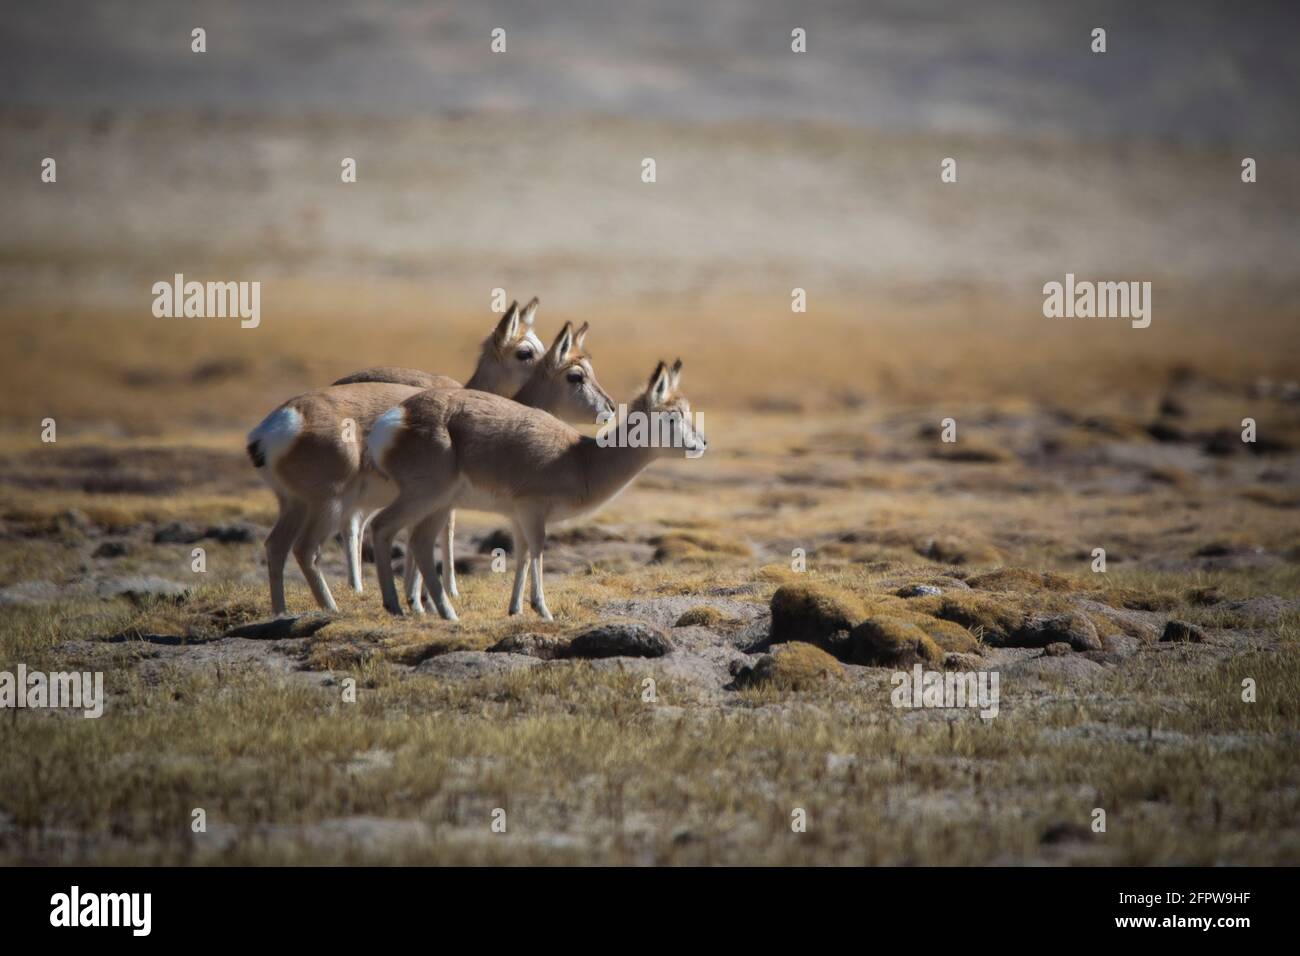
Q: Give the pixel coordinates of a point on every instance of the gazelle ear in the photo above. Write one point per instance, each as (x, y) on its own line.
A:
(508, 328)
(658, 389)
(676, 375)
(559, 350)
(530, 312)
(579, 336)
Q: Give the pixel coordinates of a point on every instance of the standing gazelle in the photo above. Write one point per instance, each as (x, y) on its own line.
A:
(506, 361)
(448, 449)
(309, 451)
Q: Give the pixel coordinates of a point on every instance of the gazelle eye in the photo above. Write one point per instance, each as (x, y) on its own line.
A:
(524, 354)
(575, 375)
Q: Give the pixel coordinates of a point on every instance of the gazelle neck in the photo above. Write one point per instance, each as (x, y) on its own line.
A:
(534, 391)
(486, 377)
(608, 470)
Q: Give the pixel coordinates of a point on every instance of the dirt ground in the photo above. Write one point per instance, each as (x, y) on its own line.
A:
(364, 738)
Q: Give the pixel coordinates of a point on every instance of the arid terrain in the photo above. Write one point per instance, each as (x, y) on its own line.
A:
(1120, 689)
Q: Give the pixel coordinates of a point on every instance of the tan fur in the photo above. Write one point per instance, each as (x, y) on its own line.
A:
(399, 376)
(320, 478)
(447, 449)
(318, 475)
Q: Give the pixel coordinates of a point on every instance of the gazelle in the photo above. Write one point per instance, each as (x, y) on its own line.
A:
(309, 451)
(506, 360)
(449, 449)
(562, 383)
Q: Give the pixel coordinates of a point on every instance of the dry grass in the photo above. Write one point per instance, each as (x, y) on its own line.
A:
(822, 441)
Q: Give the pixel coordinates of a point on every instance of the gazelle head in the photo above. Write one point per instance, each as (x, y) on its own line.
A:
(510, 353)
(564, 381)
(663, 398)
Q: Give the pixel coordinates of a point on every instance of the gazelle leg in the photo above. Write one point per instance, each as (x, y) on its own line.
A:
(521, 571)
(423, 538)
(319, 525)
(412, 580)
(354, 550)
(448, 557)
(405, 510)
(278, 543)
(535, 531)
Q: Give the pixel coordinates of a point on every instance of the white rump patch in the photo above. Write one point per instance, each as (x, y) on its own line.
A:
(276, 433)
(382, 433)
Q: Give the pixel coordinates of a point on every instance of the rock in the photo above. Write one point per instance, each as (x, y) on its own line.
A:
(814, 614)
(1182, 632)
(500, 538)
(472, 665)
(793, 666)
(110, 549)
(177, 532)
(919, 590)
(1065, 832)
(1167, 432)
(235, 532)
(889, 642)
(302, 625)
(1071, 627)
(1172, 406)
(1266, 608)
(542, 646)
(1120, 646)
(1070, 669)
(1059, 649)
(1222, 443)
(619, 639)
(144, 588)
(396, 553)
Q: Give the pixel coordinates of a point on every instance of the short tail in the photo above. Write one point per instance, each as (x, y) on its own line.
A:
(273, 436)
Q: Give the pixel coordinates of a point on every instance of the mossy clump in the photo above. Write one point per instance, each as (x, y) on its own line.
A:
(948, 635)
(814, 613)
(1021, 579)
(702, 615)
(696, 546)
(891, 642)
(795, 667)
(950, 550)
(1133, 599)
(995, 620)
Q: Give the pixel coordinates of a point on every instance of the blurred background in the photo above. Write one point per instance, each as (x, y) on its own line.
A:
(521, 170)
